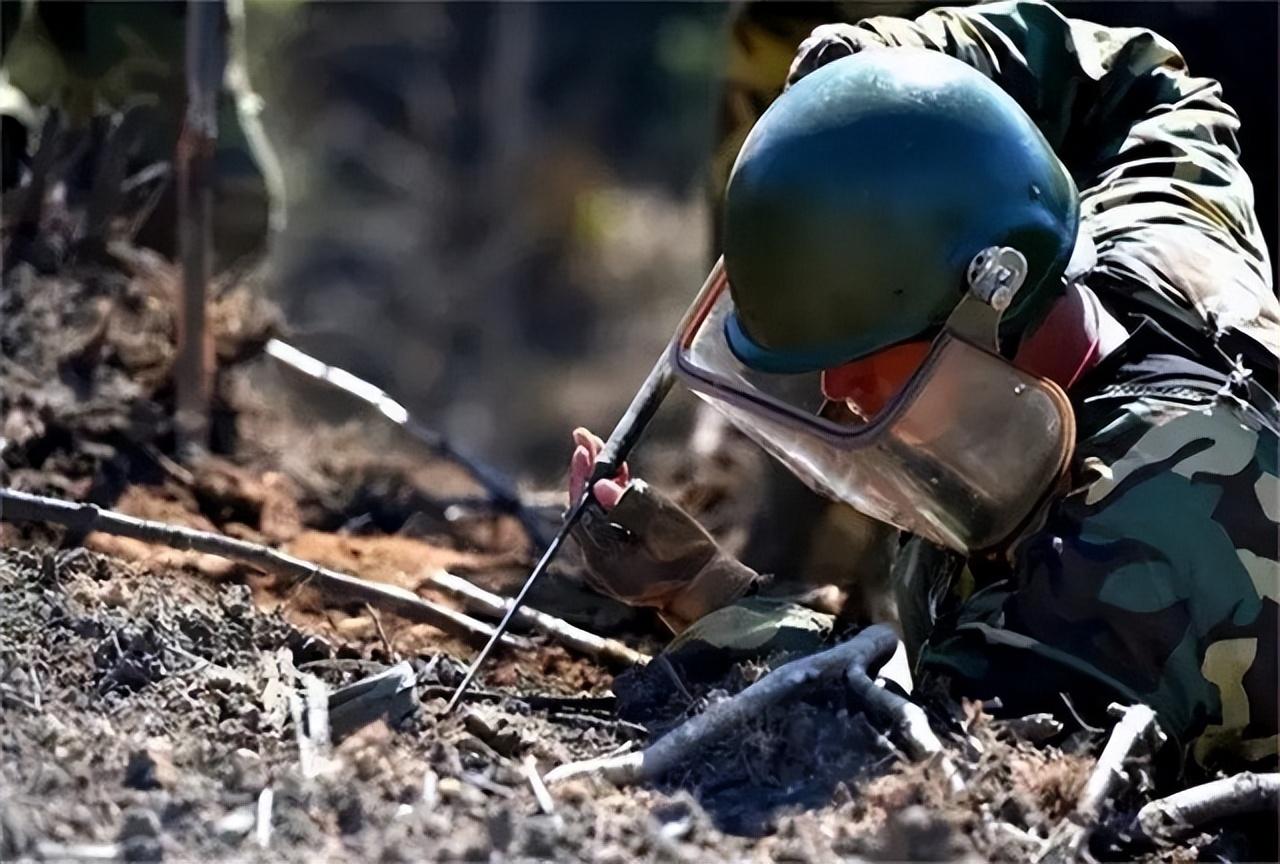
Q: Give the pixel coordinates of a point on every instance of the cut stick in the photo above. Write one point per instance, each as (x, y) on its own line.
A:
(23, 507)
(869, 649)
(563, 632)
(540, 793)
(1183, 813)
(1136, 734)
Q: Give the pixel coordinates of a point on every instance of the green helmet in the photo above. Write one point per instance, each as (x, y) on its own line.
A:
(863, 194)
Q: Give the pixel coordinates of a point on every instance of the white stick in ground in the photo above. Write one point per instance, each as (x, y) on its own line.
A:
(265, 800)
(563, 632)
(1136, 734)
(1184, 812)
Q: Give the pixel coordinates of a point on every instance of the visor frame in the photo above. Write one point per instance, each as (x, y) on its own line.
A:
(837, 434)
(973, 326)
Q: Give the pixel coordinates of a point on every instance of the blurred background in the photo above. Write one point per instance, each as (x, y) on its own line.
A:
(498, 211)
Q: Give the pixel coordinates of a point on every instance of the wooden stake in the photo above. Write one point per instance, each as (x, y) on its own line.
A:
(192, 371)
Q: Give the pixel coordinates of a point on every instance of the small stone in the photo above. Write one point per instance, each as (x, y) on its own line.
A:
(139, 822)
(501, 829)
(245, 772)
(454, 790)
(540, 839)
(493, 729)
(233, 827)
(142, 849)
(139, 836)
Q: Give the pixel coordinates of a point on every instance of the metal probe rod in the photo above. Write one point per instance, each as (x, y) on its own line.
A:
(624, 438)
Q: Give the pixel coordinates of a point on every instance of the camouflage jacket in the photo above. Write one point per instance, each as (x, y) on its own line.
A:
(1154, 575)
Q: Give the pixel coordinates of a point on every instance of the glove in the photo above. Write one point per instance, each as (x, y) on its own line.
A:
(647, 551)
(827, 43)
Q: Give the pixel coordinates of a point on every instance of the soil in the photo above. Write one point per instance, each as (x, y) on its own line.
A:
(154, 704)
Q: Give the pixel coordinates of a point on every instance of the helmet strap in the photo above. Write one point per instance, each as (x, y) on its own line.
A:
(995, 275)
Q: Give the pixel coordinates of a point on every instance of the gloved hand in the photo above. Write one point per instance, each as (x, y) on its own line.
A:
(826, 43)
(641, 548)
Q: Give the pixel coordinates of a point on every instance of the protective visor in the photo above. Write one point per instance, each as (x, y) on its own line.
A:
(960, 455)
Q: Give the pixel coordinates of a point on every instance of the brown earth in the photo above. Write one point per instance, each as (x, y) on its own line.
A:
(144, 692)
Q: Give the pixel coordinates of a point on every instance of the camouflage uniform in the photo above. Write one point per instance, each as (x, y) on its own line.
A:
(1153, 575)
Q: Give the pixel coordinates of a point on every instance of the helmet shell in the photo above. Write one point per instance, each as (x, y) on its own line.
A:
(862, 194)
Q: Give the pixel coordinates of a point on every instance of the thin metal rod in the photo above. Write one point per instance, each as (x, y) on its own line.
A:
(543, 563)
(643, 406)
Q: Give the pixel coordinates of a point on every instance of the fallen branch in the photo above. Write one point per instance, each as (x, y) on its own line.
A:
(23, 507)
(1182, 813)
(561, 631)
(908, 722)
(501, 491)
(604, 705)
(869, 649)
(1135, 735)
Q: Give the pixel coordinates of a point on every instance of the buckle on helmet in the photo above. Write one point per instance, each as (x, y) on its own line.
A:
(995, 275)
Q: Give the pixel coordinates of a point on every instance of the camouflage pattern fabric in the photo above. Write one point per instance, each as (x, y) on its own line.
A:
(647, 551)
(1156, 575)
(1153, 579)
(756, 627)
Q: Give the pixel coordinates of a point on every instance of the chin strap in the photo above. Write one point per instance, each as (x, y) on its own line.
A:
(1073, 338)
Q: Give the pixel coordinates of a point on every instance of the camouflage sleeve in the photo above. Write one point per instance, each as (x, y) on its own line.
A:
(1155, 580)
(1152, 148)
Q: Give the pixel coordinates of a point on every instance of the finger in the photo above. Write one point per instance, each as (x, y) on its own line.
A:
(586, 438)
(607, 493)
(579, 471)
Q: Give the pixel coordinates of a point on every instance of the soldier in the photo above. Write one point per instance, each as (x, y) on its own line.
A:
(993, 276)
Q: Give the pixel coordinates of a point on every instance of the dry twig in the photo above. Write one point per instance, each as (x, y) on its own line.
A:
(1136, 734)
(23, 507)
(540, 793)
(561, 631)
(1184, 812)
(870, 648)
(501, 491)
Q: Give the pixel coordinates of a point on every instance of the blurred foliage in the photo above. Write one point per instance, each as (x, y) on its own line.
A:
(499, 210)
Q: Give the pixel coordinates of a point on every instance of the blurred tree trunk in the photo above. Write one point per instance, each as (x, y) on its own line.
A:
(193, 367)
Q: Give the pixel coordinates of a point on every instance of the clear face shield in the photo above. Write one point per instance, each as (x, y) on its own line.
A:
(960, 454)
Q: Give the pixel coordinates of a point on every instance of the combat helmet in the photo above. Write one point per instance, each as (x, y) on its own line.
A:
(861, 197)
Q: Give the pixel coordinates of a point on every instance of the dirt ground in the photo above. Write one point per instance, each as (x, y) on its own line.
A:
(154, 704)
